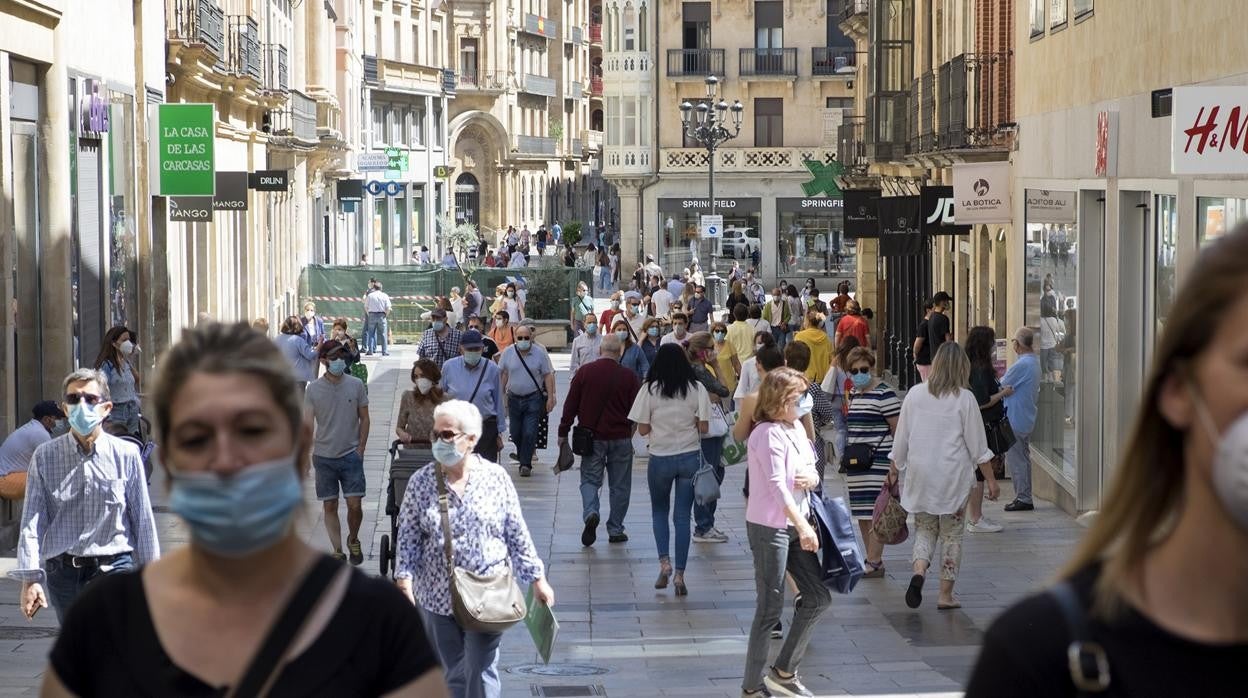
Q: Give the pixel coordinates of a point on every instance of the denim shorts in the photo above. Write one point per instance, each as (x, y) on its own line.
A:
(347, 470)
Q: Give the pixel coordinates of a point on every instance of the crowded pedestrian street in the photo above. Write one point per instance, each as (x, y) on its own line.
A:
(621, 637)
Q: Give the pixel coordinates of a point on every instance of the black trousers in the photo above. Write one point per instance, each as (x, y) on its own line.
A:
(487, 445)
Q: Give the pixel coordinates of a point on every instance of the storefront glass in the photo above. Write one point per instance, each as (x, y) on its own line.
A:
(811, 240)
(1215, 216)
(1166, 227)
(680, 244)
(1051, 305)
(123, 272)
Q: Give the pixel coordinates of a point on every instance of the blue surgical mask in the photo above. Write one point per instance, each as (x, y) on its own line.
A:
(804, 405)
(241, 514)
(591, 329)
(523, 344)
(472, 358)
(446, 453)
(84, 418)
(622, 334)
(653, 332)
(338, 367)
(861, 380)
(719, 336)
(438, 325)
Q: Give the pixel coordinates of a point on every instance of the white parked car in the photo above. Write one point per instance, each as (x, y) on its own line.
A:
(738, 243)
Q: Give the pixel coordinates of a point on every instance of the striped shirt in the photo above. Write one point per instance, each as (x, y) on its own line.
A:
(85, 504)
(867, 423)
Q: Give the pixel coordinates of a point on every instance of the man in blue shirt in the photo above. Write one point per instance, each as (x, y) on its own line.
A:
(700, 309)
(529, 383)
(470, 377)
(1022, 381)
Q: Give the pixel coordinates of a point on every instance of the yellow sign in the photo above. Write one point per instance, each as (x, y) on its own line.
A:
(441, 171)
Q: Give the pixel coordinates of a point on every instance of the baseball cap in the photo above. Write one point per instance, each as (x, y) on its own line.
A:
(941, 297)
(47, 408)
(472, 339)
(632, 296)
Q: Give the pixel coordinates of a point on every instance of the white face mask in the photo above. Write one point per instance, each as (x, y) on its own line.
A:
(127, 347)
(424, 385)
(1230, 463)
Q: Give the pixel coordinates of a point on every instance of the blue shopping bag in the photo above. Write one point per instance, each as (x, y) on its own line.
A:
(838, 548)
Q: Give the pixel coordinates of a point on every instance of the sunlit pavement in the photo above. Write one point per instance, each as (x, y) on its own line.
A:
(621, 637)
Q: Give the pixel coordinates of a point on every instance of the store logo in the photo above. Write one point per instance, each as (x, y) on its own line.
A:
(1234, 131)
(943, 213)
(981, 187)
(824, 178)
(901, 222)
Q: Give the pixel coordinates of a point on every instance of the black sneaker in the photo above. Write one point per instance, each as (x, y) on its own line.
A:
(785, 687)
(590, 533)
(1019, 506)
(620, 537)
(526, 470)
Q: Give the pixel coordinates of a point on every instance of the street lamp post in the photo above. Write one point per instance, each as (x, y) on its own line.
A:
(707, 123)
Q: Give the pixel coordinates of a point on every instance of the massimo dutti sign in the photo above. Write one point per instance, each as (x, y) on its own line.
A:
(862, 219)
(981, 193)
(901, 232)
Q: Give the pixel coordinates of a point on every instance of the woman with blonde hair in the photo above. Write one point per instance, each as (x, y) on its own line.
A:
(1153, 599)
(940, 441)
(782, 466)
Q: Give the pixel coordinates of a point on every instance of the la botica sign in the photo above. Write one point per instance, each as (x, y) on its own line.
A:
(1210, 132)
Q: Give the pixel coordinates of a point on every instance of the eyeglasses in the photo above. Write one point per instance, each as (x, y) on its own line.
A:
(75, 398)
(447, 434)
(857, 371)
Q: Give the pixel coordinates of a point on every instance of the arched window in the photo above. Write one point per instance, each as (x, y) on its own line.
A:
(641, 28)
(630, 27)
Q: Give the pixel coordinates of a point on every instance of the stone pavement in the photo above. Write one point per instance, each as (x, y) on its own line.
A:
(621, 637)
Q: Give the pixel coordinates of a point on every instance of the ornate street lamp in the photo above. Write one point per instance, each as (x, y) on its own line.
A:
(708, 124)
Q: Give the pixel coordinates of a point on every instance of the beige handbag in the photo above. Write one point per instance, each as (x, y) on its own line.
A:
(480, 603)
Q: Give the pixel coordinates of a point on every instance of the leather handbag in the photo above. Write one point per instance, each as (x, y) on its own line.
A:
(480, 603)
(888, 519)
(705, 484)
(859, 457)
(1000, 436)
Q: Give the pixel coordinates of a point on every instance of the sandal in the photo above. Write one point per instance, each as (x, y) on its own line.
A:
(873, 570)
(665, 571)
(948, 606)
(914, 593)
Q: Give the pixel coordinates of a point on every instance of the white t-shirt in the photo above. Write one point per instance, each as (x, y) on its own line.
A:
(673, 421)
(750, 380)
(662, 300)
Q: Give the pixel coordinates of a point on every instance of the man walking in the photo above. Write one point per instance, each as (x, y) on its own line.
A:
(606, 415)
(338, 404)
(472, 379)
(19, 446)
(777, 314)
(1022, 380)
(87, 512)
(377, 312)
(529, 383)
(938, 331)
(587, 345)
(473, 301)
(700, 309)
(440, 342)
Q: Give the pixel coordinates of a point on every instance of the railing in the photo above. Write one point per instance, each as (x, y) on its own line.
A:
(535, 145)
(768, 61)
(887, 117)
(927, 105)
(695, 62)
(629, 62)
(851, 140)
(199, 22)
(595, 33)
(243, 51)
(370, 69)
(328, 119)
(743, 159)
(855, 7)
(538, 85)
(484, 81)
(303, 116)
(831, 61)
(276, 68)
(592, 140)
(595, 86)
(626, 159)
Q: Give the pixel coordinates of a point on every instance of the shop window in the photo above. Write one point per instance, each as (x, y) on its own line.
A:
(1052, 261)
(1082, 7)
(812, 240)
(1166, 230)
(680, 243)
(768, 122)
(1037, 17)
(1215, 216)
(379, 125)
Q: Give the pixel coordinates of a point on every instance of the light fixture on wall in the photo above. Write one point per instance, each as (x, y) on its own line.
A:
(1000, 234)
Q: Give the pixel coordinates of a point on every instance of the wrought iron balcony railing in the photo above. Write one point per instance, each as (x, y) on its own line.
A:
(695, 62)
(833, 61)
(768, 61)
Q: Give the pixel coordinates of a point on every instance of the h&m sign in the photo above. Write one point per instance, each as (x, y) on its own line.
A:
(1210, 133)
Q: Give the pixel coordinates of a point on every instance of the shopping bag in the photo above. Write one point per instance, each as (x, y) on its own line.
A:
(839, 553)
(565, 459)
(734, 451)
(888, 518)
(705, 486)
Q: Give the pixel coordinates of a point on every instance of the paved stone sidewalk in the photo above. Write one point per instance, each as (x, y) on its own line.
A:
(621, 637)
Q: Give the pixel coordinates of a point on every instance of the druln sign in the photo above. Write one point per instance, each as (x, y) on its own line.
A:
(185, 150)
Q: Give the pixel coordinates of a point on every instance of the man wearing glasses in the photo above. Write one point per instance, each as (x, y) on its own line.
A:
(87, 512)
(528, 381)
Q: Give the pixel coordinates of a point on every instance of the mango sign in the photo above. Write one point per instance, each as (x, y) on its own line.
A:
(186, 165)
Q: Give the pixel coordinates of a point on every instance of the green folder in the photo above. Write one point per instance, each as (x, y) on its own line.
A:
(543, 626)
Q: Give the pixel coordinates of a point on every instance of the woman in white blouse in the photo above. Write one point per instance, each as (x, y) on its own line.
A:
(940, 441)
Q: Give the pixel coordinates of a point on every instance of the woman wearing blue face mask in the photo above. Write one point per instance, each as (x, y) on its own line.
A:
(871, 420)
(633, 358)
(489, 536)
(218, 614)
(301, 356)
(651, 335)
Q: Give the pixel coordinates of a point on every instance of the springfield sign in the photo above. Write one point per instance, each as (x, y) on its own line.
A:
(185, 150)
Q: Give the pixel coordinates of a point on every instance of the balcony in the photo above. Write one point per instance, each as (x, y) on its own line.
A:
(595, 34)
(630, 65)
(851, 144)
(743, 160)
(539, 85)
(592, 140)
(967, 103)
(537, 25)
(296, 124)
(855, 7)
(886, 128)
(535, 145)
(768, 62)
(370, 69)
(198, 22)
(626, 160)
(833, 62)
(695, 62)
(242, 53)
(407, 76)
(483, 81)
(595, 86)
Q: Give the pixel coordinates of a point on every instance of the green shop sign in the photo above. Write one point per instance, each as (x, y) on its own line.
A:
(186, 150)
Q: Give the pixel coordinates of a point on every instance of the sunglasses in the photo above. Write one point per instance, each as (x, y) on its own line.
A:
(856, 371)
(447, 434)
(75, 398)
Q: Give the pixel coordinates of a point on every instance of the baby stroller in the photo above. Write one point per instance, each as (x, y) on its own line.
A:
(404, 461)
(142, 440)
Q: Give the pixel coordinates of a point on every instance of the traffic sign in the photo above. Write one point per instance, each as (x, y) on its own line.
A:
(712, 226)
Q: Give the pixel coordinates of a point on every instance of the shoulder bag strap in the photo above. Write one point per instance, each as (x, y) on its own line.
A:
(448, 547)
(479, 379)
(1086, 659)
(540, 387)
(268, 661)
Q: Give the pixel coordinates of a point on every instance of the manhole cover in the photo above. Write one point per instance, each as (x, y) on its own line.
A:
(562, 670)
(18, 632)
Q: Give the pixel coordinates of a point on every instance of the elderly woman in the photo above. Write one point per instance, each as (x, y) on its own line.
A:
(301, 356)
(782, 466)
(415, 422)
(871, 421)
(651, 337)
(489, 534)
(940, 440)
(196, 622)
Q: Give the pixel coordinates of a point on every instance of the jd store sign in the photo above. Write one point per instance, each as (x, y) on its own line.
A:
(938, 216)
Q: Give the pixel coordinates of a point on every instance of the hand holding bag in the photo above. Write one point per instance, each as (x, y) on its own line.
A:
(480, 603)
(1000, 435)
(888, 519)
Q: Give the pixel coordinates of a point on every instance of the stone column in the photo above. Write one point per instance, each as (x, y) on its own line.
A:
(630, 223)
(56, 206)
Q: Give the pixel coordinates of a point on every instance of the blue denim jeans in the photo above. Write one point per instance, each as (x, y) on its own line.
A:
(664, 474)
(524, 413)
(616, 458)
(126, 414)
(376, 329)
(704, 515)
(469, 659)
(66, 582)
(1018, 460)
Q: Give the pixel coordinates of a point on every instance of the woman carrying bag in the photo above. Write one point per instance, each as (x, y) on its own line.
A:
(701, 353)
(980, 345)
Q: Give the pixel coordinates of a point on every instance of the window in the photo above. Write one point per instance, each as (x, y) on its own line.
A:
(415, 41)
(845, 104)
(1037, 18)
(411, 128)
(397, 50)
(812, 241)
(1215, 216)
(394, 124)
(630, 27)
(437, 125)
(379, 124)
(1057, 13)
(1082, 7)
(468, 61)
(613, 121)
(1167, 228)
(377, 37)
(768, 122)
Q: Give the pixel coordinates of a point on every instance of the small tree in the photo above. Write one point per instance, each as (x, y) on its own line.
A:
(572, 233)
(548, 296)
(461, 239)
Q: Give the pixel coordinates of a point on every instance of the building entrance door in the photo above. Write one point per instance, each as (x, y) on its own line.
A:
(467, 200)
(907, 287)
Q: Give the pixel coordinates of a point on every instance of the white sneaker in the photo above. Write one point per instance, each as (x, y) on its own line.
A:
(984, 525)
(711, 536)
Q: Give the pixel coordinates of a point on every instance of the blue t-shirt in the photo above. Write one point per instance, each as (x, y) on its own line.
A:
(1024, 377)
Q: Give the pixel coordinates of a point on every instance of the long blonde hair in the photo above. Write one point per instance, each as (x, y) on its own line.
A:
(1143, 501)
(951, 371)
(778, 386)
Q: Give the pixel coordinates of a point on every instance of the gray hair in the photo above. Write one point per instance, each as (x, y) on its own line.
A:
(86, 375)
(611, 346)
(464, 413)
(1026, 337)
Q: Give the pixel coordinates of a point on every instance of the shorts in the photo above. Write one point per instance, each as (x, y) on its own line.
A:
(347, 470)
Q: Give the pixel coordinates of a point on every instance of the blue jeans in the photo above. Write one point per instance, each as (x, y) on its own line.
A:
(778, 334)
(66, 582)
(469, 659)
(376, 328)
(1018, 459)
(524, 413)
(616, 458)
(704, 515)
(664, 474)
(604, 278)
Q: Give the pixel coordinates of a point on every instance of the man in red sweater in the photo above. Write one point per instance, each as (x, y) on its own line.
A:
(599, 399)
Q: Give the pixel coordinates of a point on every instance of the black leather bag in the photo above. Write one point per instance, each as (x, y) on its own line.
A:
(583, 436)
(858, 458)
(1000, 436)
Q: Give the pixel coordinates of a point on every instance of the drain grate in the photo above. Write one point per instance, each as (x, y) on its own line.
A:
(18, 632)
(568, 691)
(559, 670)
